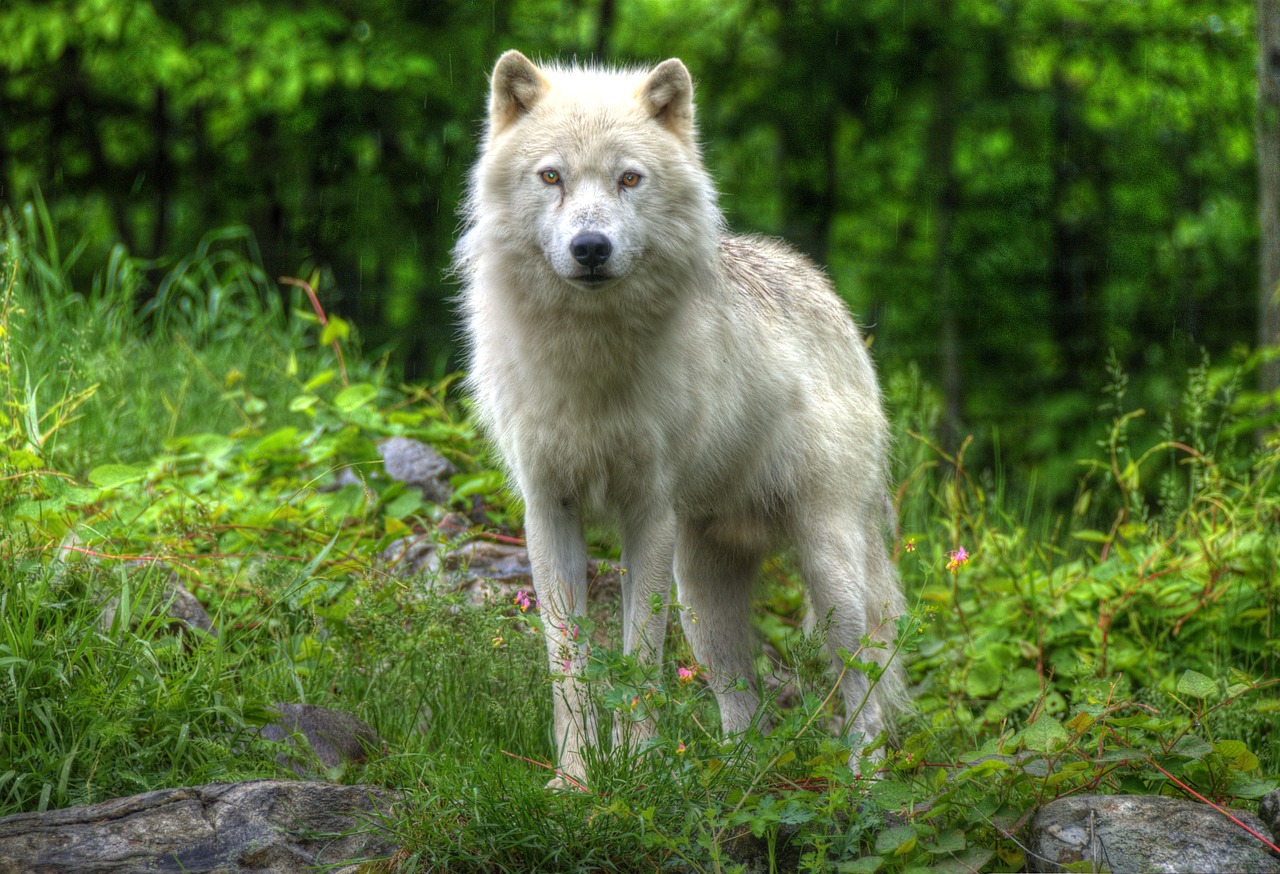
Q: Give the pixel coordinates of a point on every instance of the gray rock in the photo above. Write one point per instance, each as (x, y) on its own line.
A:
(1269, 812)
(417, 464)
(483, 560)
(412, 556)
(276, 825)
(334, 736)
(177, 603)
(1140, 833)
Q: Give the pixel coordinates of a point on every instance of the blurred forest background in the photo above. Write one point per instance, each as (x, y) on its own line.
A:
(1004, 190)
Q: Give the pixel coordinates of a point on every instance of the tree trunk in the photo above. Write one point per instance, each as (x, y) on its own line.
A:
(941, 181)
(1269, 186)
(604, 28)
(163, 172)
(1073, 274)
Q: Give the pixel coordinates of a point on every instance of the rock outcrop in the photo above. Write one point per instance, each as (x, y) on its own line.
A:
(264, 825)
(1146, 833)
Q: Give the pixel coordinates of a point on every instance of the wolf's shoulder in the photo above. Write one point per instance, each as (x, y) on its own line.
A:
(766, 272)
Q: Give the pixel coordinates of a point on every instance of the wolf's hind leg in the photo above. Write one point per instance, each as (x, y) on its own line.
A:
(833, 560)
(714, 581)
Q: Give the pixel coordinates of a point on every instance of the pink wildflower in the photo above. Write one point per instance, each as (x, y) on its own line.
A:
(958, 559)
(522, 600)
(687, 674)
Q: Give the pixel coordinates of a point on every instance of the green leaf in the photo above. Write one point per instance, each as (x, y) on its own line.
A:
(23, 459)
(112, 476)
(355, 396)
(950, 841)
(281, 440)
(324, 377)
(404, 504)
(891, 796)
(1191, 747)
(864, 865)
(896, 841)
(1243, 786)
(211, 447)
(795, 813)
(1196, 685)
(1046, 734)
(972, 859)
(1235, 752)
(336, 329)
(479, 484)
(983, 680)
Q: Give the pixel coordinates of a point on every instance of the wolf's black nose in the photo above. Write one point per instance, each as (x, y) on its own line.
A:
(591, 249)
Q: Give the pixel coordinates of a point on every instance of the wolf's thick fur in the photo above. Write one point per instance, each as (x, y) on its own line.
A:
(710, 391)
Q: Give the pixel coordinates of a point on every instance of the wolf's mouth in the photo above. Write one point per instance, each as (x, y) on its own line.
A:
(593, 278)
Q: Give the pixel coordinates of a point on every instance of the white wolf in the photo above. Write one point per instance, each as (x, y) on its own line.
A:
(709, 391)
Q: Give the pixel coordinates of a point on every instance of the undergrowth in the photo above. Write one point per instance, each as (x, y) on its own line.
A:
(204, 427)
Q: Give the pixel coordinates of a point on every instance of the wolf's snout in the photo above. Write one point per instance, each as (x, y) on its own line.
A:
(591, 249)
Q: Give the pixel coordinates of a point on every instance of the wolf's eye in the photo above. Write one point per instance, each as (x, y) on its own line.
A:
(630, 179)
(551, 177)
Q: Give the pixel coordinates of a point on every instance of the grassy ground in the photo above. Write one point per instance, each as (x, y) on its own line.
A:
(1127, 645)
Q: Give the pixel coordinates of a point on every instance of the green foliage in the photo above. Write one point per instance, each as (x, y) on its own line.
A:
(1127, 645)
(1003, 191)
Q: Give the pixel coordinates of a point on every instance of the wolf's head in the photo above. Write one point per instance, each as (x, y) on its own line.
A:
(594, 173)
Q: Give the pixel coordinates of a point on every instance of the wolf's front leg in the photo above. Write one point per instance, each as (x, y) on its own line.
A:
(649, 537)
(558, 554)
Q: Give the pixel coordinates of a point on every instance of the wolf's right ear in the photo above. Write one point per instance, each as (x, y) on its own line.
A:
(516, 87)
(668, 96)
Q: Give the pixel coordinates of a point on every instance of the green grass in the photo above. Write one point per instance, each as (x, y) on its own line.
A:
(1128, 645)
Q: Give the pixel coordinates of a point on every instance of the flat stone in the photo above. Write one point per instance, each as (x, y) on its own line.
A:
(415, 463)
(276, 825)
(1145, 833)
(335, 737)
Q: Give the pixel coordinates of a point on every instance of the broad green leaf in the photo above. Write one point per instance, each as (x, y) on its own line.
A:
(968, 861)
(897, 841)
(23, 459)
(1191, 747)
(277, 442)
(1196, 685)
(336, 329)
(1046, 734)
(983, 680)
(112, 476)
(890, 795)
(404, 504)
(1244, 786)
(355, 396)
(950, 841)
(864, 865)
(1235, 752)
(324, 377)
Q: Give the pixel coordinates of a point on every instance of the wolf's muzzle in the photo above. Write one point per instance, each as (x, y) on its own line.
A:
(590, 249)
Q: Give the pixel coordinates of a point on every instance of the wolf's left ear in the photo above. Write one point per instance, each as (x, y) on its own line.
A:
(517, 86)
(668, 96)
